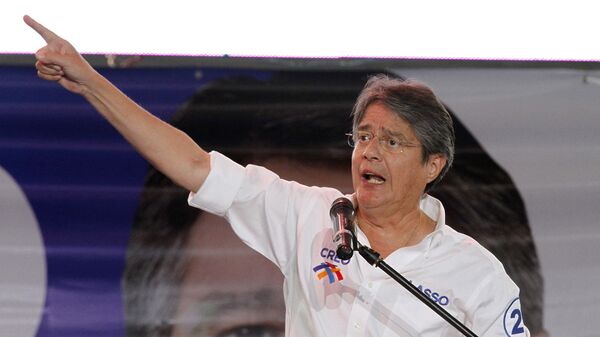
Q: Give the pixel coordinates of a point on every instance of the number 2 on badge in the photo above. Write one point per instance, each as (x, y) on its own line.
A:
(513, 319)
(517, 328)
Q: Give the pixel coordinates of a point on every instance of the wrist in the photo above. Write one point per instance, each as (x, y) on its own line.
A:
(92, 86)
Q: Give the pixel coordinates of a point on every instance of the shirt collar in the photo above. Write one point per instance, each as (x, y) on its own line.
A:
(434, 209)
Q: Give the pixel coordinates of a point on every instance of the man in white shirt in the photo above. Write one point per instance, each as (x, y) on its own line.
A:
(289, 224)
(403, 145)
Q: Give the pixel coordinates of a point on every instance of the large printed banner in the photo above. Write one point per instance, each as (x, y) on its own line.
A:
(94, 242)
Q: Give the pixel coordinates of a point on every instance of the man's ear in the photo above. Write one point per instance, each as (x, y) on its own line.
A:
(435, 164)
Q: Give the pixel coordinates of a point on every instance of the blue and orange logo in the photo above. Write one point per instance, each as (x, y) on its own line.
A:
(330, 270)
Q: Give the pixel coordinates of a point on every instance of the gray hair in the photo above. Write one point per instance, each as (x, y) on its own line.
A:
(415, 103)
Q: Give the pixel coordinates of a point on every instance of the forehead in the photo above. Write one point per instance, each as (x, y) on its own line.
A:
(378, 116)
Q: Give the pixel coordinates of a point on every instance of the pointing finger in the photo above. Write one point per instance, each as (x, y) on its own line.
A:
(44, 32)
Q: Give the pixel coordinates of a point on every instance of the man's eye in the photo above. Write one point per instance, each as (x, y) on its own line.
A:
(364, 137)
(253, 331)
(393, 142)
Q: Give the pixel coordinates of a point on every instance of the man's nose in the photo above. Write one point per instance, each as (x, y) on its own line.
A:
(372, 150)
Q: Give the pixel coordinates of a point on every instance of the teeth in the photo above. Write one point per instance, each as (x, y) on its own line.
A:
(374, 179)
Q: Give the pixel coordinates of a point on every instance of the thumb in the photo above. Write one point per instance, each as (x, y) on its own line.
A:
(46, 56)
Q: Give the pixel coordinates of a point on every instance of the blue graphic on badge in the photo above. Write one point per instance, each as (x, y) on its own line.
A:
(513, 319)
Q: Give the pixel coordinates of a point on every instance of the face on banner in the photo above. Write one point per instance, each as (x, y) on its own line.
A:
(82, 195)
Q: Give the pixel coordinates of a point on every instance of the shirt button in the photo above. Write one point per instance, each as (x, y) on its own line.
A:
(356, 325)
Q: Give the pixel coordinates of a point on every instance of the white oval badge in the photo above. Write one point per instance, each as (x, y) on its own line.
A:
(513, 319)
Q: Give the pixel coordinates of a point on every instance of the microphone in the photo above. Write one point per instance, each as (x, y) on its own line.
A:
(342, 216)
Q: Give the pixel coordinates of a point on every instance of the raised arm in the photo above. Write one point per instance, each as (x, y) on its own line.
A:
(168, 149)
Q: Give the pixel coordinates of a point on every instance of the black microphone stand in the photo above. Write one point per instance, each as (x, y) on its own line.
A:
(373, 259)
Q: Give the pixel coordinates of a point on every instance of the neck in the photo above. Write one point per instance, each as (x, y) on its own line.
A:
(388, 233)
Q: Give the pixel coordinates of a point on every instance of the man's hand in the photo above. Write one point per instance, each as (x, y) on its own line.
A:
(169, 150)
(59, 61)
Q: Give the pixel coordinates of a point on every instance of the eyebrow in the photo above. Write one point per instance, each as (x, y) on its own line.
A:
(224, 303)
(386, 131)
(222, 311)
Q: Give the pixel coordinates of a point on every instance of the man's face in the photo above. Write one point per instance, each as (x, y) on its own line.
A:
(383, 180)
(230, 290)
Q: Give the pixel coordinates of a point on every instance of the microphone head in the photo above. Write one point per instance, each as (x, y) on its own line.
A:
(342, 205)
(342, 216)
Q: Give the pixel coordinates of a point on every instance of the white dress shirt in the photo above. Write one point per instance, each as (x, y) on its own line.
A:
(289, 224)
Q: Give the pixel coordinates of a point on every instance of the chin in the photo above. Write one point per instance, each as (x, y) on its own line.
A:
(368, 199)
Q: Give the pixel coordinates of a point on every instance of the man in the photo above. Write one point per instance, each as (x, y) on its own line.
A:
(404, 142)
(289, 123)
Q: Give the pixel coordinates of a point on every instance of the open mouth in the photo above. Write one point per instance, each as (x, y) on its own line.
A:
(372, 178)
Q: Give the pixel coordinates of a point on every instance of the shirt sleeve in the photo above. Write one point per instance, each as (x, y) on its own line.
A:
(263, 209)
(496, 308)
(220, 187)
